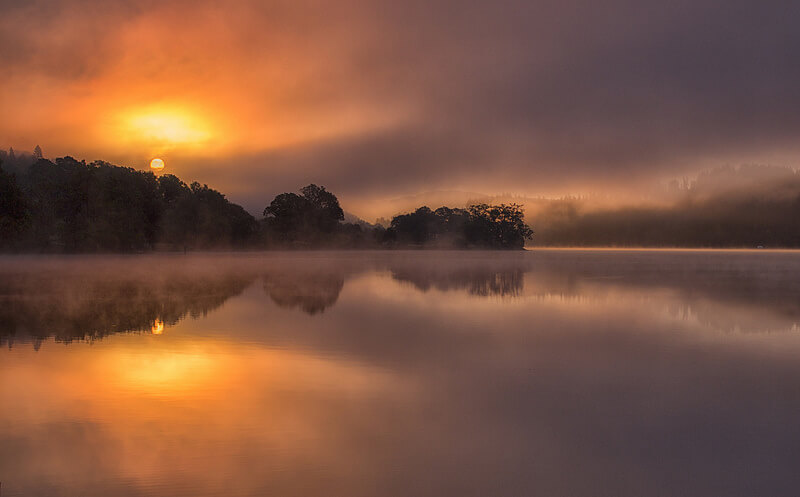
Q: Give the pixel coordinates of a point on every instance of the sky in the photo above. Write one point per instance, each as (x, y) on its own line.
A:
(382, 99)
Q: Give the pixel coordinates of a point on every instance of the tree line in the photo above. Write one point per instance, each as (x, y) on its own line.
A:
(755, 222)
(68, 205)
(71, 206)
(314, 217)
(747, 206)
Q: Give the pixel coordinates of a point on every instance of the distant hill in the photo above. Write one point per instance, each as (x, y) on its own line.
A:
(746, 206)
(433, 199)
(351, 218)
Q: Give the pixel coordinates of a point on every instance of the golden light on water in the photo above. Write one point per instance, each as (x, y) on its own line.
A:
(168, 372)
(158, 325)
(156, 164)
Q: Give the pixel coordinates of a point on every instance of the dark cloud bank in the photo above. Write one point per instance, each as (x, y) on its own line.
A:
(544, 96)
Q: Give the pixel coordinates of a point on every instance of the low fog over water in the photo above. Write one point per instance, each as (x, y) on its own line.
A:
(548, 372)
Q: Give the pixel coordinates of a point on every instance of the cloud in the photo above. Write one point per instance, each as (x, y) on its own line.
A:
(380, 97)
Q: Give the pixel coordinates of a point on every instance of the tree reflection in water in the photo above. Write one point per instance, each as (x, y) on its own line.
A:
(82, 306)
(88, 298)
(310, 292)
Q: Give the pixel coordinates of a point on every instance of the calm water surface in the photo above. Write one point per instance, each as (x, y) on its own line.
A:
(544, 373)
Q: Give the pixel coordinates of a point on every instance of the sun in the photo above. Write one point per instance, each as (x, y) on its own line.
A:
(156, 164)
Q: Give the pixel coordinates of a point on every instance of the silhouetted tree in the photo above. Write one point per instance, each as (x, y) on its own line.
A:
(287, 213)
(312, 216)
(325, 211)
(13, 209)
(37, 152)
(74, 206)
(481, 225)
(497, 226)
(417, 227)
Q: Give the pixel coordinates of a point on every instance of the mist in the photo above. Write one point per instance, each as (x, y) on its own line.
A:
(749, 206)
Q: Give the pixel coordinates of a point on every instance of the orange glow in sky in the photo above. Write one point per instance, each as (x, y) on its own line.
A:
(211, 91)
(377, 101)
(166, 127)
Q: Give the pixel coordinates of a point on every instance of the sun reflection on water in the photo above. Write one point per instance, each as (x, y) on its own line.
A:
(158, 327)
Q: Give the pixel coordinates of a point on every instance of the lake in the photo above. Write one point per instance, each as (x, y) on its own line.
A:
(538, 373)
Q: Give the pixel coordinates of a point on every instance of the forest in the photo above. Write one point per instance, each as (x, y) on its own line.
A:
(72, 206)
(748, 206)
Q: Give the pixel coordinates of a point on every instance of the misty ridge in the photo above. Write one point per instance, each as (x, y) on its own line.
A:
(71, 206)
(747, 206)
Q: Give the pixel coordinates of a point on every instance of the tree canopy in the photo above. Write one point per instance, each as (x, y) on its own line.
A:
(71, 206)
(309, 216)
(480, 225)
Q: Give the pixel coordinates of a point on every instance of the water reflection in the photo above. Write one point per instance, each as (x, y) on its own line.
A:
(75, 300)
(426, 374)
(84, 299)
(158, 327)
(310, 292)
(79, 302)
(483, 283)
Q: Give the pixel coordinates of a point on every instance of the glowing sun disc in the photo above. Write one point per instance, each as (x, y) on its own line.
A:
(156, 164)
